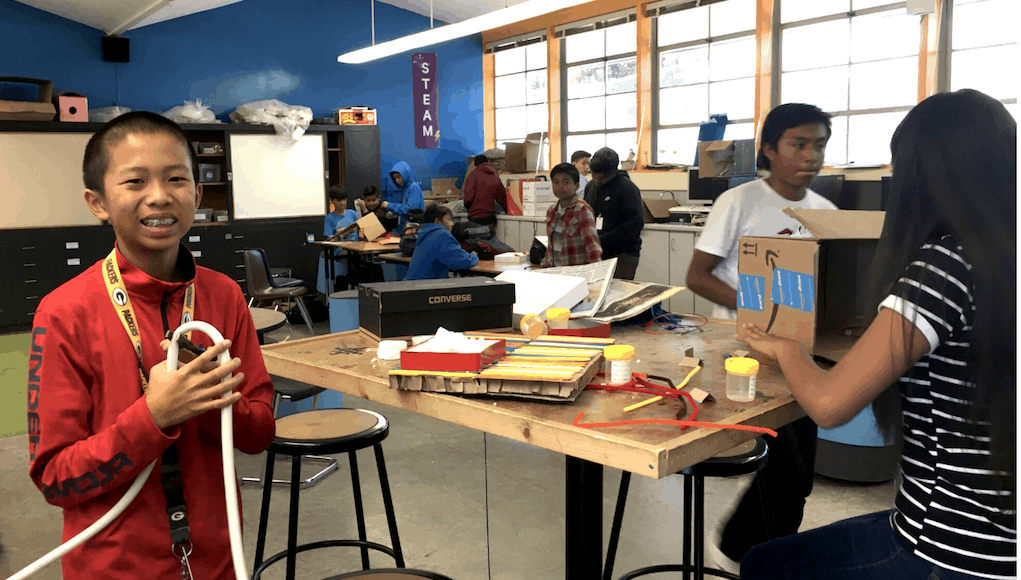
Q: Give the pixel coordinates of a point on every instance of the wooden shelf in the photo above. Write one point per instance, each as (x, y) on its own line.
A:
(209, 155)
(333, 149)
(212, 183)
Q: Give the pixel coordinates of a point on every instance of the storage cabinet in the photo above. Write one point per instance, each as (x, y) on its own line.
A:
(682, 247)
(654, 261)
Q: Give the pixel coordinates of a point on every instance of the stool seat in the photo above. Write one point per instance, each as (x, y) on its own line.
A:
(328, 431)
(746, 458)
(391, 574)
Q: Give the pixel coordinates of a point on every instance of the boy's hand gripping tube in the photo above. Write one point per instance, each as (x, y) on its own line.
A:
(229, 481)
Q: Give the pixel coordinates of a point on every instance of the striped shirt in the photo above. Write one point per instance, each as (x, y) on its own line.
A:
(949, 508)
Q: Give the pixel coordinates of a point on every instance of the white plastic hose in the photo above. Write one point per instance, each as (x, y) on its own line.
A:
(229, 481)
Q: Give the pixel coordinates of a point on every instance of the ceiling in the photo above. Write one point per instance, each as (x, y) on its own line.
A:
(118, 16)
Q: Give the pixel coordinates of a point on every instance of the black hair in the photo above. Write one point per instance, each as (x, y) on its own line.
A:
(604, 160)
(370, 191)
(97, 151)
(338, 193)
(480, 159)
(567, 168)
(788, 116)
(955, 172)
(579, 155)
(435, 212)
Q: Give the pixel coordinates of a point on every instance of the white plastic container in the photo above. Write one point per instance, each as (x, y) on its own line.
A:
(618, 360)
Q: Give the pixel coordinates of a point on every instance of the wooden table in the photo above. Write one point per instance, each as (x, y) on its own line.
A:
(266, 320)
(484, 267)
(361, 250)
(649, 450)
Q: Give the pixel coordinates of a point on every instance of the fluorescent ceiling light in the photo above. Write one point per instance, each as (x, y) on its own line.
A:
(495, 19)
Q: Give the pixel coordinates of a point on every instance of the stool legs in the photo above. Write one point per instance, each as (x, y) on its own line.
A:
(359, 509)
(689, 497)
(292, 520)
(260, 542)
(388, 504)
(618, 521)
(699, 523)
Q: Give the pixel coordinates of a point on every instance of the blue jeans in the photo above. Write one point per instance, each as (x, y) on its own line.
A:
(862, 548)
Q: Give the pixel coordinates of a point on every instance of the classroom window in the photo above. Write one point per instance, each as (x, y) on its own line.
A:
(520, 90)
(984, 49)
(705, 64)
(857, 60)
(600, 81)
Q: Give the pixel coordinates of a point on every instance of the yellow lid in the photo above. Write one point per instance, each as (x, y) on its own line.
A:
(742, 365)
(532, 325)
(619, 352)
(558, 314)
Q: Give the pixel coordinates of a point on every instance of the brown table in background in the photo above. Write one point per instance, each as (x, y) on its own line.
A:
(649, 450)
(484, 267)
(266, 320)
(360, 250)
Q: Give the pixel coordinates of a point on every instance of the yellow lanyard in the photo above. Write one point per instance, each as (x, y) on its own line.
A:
(122, 304)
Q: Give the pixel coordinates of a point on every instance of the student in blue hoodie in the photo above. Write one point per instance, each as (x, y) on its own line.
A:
(436, 250)
(339, 218)
(401, 194)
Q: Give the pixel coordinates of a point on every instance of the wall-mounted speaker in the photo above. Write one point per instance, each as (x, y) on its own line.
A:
(115, 49)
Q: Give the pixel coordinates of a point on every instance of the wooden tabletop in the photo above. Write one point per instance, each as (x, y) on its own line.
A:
(266, 319)
(650, 450)
(486, 267)
(360, 246)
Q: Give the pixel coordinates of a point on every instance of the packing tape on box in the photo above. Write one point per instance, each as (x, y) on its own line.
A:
(390, 349)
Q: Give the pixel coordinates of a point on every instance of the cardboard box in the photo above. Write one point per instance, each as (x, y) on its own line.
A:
(356, 116)
(537, 191)
(657, 210)
(371, 227)
(423, 357)
(445, 187)
(726, 158)
(398, 309)
(39, 110)
(471, 167)
(816, 291)
(72, 108)
(515, 160)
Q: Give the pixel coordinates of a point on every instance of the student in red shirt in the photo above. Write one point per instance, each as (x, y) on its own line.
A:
(102, 404)
(482, 188)
(570, 223)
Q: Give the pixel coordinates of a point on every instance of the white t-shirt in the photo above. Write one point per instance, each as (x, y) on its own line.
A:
(582, 182)
(750, 209)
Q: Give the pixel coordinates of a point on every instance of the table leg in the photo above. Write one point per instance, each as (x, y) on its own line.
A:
(584, 526)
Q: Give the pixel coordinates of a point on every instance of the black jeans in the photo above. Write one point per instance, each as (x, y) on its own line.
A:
(788, 476)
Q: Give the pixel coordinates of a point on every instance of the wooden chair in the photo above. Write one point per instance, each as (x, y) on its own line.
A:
(262, 286)
(746, 458)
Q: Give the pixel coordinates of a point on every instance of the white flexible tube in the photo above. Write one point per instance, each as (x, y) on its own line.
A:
(229, 478)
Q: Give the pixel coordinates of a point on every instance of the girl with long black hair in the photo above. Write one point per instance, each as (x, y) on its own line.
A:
(938, 362)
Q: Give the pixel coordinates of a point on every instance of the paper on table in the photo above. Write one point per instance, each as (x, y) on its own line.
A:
(628, 299)
(597, 275)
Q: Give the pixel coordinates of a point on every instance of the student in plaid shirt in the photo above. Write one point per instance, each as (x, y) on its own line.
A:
(570, 223)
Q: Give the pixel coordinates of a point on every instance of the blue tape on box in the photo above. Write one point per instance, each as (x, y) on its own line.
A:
(793, 289)
(751, 292)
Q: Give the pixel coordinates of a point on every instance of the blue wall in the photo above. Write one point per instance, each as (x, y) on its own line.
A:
(266, 49)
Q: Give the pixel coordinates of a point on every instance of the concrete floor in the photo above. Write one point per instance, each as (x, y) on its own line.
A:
(439, 475)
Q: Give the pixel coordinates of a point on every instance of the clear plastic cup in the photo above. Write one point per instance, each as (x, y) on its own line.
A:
(741, 374)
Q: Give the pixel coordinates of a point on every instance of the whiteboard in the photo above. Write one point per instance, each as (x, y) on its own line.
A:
(275, 177)
(41, 180)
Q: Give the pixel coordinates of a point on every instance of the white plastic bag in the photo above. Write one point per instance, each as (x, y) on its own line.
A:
(290, 121)
(191, 112)
(104, 114)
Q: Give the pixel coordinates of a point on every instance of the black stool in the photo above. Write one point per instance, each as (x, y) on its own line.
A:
(749, 457)
(391, 574)
(327, 431)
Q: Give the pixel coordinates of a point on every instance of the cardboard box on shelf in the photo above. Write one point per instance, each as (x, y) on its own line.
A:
(72, 107)
(515, 160)
(356, 116)
(726, 158)
(41, 109)
(657, 210)
(445, 187)
(399, 309)
(537, 191)
(812, 290)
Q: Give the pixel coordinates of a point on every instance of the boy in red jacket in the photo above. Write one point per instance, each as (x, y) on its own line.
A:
(102, 404)
(482, 188)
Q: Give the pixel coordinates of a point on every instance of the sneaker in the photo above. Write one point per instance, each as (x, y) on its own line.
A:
(719, 558)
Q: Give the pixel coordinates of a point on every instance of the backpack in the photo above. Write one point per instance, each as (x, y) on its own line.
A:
(484, 250)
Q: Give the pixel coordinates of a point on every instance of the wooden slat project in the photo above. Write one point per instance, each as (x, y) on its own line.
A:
(557, 371)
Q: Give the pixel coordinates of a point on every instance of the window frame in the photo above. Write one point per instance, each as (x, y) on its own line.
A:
(520, 41)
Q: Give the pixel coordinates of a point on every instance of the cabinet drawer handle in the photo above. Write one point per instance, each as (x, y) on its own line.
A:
(30, 281)
(27, 247)
(29, 265)
(31, 297)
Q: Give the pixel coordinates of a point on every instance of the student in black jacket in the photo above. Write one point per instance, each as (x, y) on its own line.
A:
(617, 203)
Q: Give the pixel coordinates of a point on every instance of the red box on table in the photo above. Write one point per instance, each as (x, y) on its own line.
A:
(419, 358)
